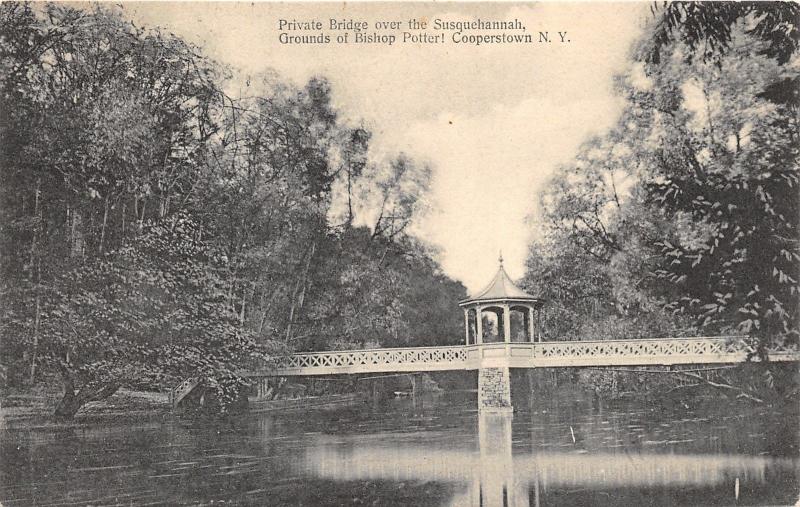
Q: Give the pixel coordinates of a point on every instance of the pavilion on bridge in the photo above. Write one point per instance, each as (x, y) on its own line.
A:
(507, 313)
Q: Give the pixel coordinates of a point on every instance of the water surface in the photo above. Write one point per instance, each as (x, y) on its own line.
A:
(439, 451)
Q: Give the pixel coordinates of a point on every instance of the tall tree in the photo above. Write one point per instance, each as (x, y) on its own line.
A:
(153, 227)
(697, 184)
(104, 125)
(726, 168)
(151, 312)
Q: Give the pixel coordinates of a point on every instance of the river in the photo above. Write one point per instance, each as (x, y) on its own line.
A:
(563, 450)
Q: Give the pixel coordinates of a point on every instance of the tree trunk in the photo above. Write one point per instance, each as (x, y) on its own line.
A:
(71, 401)
(35, 337)
(301, 283)
(68, 406)
(76, 234)
(349, 200)
(103, 227)
(141, 218)
(37, 226)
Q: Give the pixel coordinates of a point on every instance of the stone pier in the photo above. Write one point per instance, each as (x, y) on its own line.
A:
(494, 389)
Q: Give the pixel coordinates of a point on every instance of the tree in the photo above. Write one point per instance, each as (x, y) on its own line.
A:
(726, 169)
(152, 311)
(705, 225)
(353, 159)
(155, 228)
(594, 255)
(713, 23)
(372, 291)
(104, 127)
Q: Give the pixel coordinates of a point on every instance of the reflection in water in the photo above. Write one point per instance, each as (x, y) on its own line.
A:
(497, 484)
(399, 453)
(494, 476)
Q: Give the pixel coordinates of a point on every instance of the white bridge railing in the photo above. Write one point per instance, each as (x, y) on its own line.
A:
(664, 351)
(373, 360)
(700, 350)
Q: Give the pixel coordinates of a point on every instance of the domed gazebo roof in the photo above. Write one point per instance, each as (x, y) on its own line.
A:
(501, 289)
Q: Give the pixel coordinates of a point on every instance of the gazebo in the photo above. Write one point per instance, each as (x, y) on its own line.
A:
(502, 312)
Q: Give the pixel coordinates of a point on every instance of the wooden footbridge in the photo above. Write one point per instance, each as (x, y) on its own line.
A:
(556, 354)
(502, 331)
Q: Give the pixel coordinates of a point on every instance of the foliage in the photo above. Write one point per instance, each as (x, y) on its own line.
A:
(684, 217)
(153, 309)
(390, 294)
(724, 168)
(712, 23)
(154, 228)
(594, 258)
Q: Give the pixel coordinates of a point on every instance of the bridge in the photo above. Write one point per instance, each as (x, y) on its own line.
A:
(555, 354)
(502, 331)
(493, 360)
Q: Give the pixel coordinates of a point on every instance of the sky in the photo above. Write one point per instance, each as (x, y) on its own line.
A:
(493, 121)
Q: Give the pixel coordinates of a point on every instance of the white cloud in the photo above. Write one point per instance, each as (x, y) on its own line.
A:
(494, 121)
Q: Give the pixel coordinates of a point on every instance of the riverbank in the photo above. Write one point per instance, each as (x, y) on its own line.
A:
(330, 400)
(35, 406)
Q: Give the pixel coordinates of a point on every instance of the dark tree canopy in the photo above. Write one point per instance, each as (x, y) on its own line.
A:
(706, 27)
(154, 228)
(684, 217)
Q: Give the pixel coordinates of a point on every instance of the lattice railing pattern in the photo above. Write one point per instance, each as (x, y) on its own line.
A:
(718, 349)
(695, 347)
(629, 348)
(376, 357)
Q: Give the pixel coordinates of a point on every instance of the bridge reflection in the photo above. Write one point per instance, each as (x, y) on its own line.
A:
(493, 475)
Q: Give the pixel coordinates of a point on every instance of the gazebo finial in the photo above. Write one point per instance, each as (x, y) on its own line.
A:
(501, 258)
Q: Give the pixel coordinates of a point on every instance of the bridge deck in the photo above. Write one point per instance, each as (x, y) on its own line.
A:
(665, 351)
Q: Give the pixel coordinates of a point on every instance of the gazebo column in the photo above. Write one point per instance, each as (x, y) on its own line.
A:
(466, 326)
(506, 324)
(478, 324)
(539, 323)
(531, 325)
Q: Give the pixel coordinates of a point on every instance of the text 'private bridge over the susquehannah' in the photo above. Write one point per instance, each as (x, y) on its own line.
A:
(502, 331)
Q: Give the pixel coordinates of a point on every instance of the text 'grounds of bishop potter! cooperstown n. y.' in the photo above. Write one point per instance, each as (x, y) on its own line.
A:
(419, 31)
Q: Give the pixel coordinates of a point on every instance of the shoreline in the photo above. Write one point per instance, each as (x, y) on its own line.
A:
(34, 409)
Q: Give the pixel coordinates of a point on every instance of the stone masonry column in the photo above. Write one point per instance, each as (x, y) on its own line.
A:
(494, 389)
